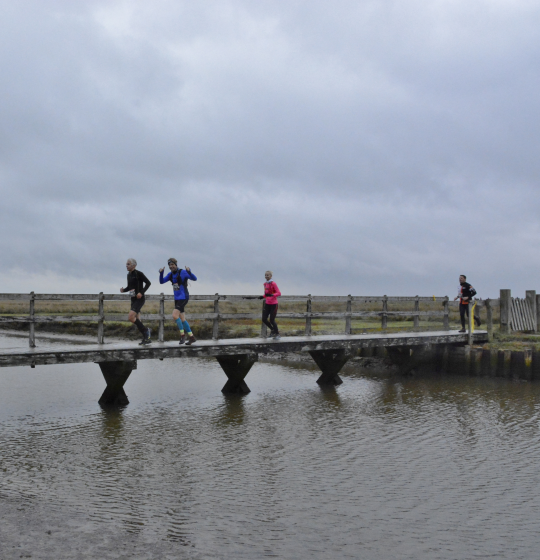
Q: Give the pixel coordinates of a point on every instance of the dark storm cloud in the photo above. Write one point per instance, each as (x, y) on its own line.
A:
(367, 148)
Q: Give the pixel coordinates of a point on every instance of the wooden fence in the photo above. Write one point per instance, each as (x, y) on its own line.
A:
(522, 318)
(515, 314)
(520, 314)
(217, 315)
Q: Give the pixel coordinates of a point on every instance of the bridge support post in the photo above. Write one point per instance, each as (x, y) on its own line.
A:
(330, 363)
(236, 368)
(115, 374)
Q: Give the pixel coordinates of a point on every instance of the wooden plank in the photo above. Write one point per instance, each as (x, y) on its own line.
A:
(514, 321)
(531, 312)
(68, 297)
(129, 351)
(538, 312)
(513, 316)
(530, 296)
(470, 338)
(122, 317)
(506, 311)
(308, 316)
(519, 312)
(530, 323)
(416, 317)
(336, 299)
(161, 328)
(215, 320)
(523, 315)
(521, 319)
(384, 318)
(522, 324)
(15, 297)
(489, 318)
(32, 321)
(101, 314)
(446, 319)
(209, 297)
(348, 315)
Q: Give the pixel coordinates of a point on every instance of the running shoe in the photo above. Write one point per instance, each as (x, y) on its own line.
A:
(146, 339)
(277, 337)
(191, 340)
(462, 330)
(182, 339)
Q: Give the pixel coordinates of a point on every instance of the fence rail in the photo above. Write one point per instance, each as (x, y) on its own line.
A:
(221, 297)
(217, 315)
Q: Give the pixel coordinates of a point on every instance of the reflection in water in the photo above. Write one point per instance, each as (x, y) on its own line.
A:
(396, 467)
(112, 423)
(330, 394)
(232, 411)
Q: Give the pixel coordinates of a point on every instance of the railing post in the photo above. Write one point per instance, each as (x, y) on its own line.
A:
(506, 310)
(215, 322)
(384, 322)
(101, 314)
(471, 319)
(416, 318)
(489, 319)
(446, 319)
(348, 317)
(161, 328)
(537, 312)
(32, 332)
(308, 316)
(530, 296)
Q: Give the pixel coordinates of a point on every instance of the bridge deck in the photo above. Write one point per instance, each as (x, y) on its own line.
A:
(131, 351)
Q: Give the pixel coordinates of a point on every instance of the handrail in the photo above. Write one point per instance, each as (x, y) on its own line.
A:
(221, 297)
(217, 315)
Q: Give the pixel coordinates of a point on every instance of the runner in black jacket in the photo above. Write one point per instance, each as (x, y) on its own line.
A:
(465, 295)
(138, 283)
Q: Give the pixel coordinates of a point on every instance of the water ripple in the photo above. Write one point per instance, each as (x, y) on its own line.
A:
(378, 468)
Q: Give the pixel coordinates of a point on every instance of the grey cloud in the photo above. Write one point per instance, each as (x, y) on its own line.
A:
(359, 147)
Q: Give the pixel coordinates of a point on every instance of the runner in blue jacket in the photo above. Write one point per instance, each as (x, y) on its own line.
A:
(179, 279)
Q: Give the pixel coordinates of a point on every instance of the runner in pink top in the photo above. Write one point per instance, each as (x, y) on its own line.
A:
(270, 306)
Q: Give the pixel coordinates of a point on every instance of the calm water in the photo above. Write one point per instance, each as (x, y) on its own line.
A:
(381, 467)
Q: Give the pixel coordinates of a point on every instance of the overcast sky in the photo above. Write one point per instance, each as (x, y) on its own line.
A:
(362, 147)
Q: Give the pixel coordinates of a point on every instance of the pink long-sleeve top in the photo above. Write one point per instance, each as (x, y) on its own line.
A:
(271, 292)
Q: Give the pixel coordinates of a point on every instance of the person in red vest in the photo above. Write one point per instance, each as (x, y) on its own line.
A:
(270, 306)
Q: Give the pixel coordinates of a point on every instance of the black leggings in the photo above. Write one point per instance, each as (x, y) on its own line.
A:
(463, 308)
(269, 316)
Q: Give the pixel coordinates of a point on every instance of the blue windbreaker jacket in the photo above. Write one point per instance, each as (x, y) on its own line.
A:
(178, 294)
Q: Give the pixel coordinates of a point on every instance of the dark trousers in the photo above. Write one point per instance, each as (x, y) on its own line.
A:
(463, 308)
(269, 316)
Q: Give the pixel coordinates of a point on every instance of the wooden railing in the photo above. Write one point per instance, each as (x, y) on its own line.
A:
(217, 315)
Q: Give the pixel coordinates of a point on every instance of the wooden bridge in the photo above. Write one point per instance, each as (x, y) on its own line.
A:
(236, 356)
